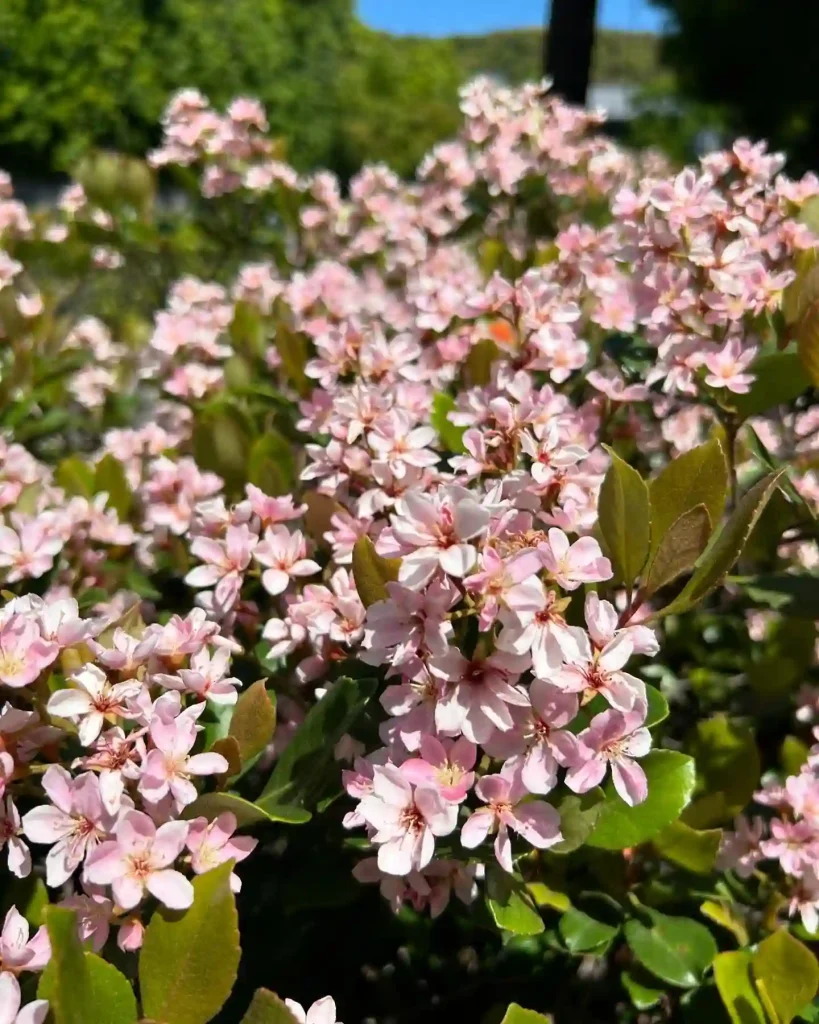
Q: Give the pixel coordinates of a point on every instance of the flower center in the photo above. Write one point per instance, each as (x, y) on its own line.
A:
(140, 864)
(412, 820)
(11, 663)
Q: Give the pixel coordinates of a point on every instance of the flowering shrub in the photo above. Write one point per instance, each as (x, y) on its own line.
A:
(455, 538)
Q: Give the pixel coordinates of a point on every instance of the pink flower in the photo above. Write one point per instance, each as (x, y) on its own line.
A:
(739, 850)
(226, 562)
(405, 820)
(29, 549)
(548, 455)
(127, 654)
(409, 623)
(432, 532)
(512, 583)
(535, 820)
(795, 844)
(139, 859)
(75, 822)
(10, 999)
(444, 764)
(18, 952)
(613, 739)
(591, 672)
(572, 564)
(805, 900)
(187, 636)
(541, 632)
(616, 389)
(211, 843)
(206, 678)
(395, 442)
(19, 857)
(284, 553)
(94, 698)
(803, 793)
(6, 770)
(602, 621)
(168, 768)
(413, 703)
(273, 510)
(116, 758)
(727, 366)
(541, 743)
(323, 1011)
(23, 651)
(94, 913)
(479, 694)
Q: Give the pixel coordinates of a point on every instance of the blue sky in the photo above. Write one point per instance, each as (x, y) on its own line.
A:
(444, 17)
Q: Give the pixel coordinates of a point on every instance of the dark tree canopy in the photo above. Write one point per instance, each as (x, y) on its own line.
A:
(757, 59)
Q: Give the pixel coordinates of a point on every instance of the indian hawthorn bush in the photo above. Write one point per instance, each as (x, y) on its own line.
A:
(454, 537)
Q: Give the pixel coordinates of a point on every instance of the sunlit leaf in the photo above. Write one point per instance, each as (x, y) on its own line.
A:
(624, 518)
(372, 573)
(670, 784)
(188, 961)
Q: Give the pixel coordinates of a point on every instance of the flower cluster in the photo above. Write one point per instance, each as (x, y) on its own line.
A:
(375, 447)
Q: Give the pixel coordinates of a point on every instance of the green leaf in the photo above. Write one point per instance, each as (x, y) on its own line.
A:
(679, 549)
(517, 1015)
(292, 348)
(372, 573)
(511, 904)
(697, 477)
(79, 986)
(267, 1008)
(624, 517)
(657, 707)
(253, 721)
(478, 364)
(301, 771)
(801, 308)
(582, 934)
(109, 476)
(271, 464)
(671, 779)
(786, 974)
(732, 973)
(780, 377)
(676, 949)
(188, 962)
(450, 435)
(210, 805)
(221, 443)
(141, 585)
(642, 988)
(75, 477)
(727, 760)
(721, 555)
(691, 849)
(794, 595)
(727, 916)
(29, 895)
(792, 755)
(578, 816)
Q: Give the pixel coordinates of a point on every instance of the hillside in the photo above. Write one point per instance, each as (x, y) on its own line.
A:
(515, 55)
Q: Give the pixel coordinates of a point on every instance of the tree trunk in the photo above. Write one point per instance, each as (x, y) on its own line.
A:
(567, 48)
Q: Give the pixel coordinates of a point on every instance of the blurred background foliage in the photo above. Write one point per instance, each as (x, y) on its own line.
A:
(83, 74)
(78, 74)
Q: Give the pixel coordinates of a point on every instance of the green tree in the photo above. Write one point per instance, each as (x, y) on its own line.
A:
(400, 97)
(285, 53)
(72, 74)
